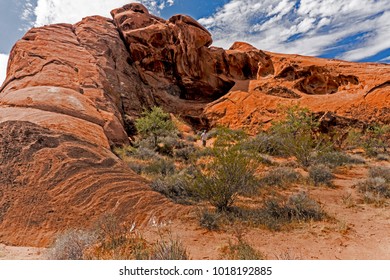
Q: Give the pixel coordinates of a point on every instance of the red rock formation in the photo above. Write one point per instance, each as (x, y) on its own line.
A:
(68, 91)
(72, 91)
(358, 91)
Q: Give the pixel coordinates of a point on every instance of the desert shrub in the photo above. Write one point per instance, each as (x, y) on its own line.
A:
(241, 251)
(185, 153)
(130, 246)
(117, 241)
(264, 143)
(145, 142)
(321, 175)
(144, 153)
(298, 207)
(167, 145)
(137, 167)
(229, 174)
(335, 159)
(123, 151)
(302, 208)
(176, 187)
(109, 228)
(381, 172)
(226, 137)
(374, 139)
(210, 220)
(71, 245)
(353, 139)
(154, 123)
(163, 167)
(281, 177)
(298, 135)
(171, 249)
(377, 185)
(374, 198)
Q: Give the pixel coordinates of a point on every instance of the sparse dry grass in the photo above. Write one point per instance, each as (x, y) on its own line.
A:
(321, 175)
(71, 245)
(281, 177)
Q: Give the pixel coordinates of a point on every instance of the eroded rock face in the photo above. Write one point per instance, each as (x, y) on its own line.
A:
(177, 51)
(356, 91)
(316, 79)
(69, 94)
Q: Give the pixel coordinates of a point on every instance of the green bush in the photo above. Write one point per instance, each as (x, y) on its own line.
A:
(265, 143)
(321, 175)
(191, 138)
(374, 139)
(154, 123)
(298, 135)
(226, 137)
(229, 174)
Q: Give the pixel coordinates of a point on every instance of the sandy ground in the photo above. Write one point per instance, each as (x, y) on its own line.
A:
(22, 253)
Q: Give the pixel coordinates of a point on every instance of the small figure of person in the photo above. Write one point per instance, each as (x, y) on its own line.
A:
(204, 138)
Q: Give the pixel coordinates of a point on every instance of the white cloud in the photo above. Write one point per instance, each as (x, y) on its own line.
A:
(3, 67)
(308, 27)
(374, 44)
(71, 11)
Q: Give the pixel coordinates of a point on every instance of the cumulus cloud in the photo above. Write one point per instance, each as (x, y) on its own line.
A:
(310, 27)
(71, 11)
(3, 67)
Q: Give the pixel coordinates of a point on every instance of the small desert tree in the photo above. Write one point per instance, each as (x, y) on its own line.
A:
(154, 123)
(229, 174)
(298, 135)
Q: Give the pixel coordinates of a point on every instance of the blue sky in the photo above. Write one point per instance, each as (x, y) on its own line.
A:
(354, 30)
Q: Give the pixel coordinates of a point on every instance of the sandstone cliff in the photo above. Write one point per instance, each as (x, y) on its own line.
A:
(73, 91)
